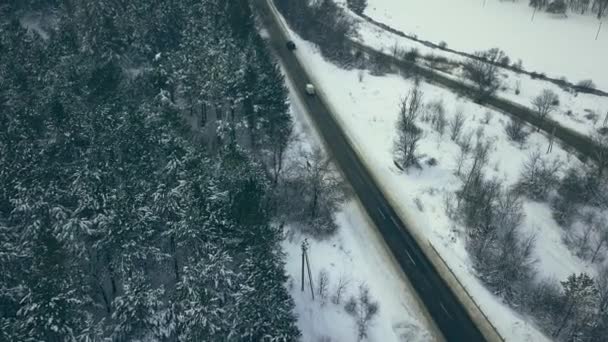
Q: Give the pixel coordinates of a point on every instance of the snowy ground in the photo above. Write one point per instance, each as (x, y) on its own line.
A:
(547, 44)
(368, 110)
(584, 113)
(356, 253)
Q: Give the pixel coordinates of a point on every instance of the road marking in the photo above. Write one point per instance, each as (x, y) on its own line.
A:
(445, 310)
(409, 256)
(395, 222)
(381, 213)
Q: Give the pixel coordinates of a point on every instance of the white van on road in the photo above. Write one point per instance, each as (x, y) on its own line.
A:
(310, 89)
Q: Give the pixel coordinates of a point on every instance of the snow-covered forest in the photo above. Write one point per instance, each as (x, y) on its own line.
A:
(140, 151)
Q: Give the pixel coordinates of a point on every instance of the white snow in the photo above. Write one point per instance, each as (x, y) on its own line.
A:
(368, 110)
(33, 23)
(358, 254)
(552, 44)
(575, 108)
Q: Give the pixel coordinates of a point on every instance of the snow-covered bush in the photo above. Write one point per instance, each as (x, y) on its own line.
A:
(357, 6)
(436, 112)
(538, 177)
(586, 84)
(516, 131)
(456, 125)
(363, 309)
(323, 286)
(483, 71)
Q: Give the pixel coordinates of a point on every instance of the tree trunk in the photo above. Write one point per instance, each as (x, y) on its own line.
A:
(597, 249)
(111, 275)
(313, 205)
(105, 298)
(175, 264)
(564, 321)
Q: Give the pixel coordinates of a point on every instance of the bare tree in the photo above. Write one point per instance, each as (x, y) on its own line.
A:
(342, 286)
(462, 157)
(456, 125)
(483, 71)
(278, 147)
(408, 134)
(323, 286)
(436, 112)
(545, 103)
(580, 240)
(465, 142)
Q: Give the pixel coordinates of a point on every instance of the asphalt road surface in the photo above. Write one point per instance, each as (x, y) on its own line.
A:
(446, 310)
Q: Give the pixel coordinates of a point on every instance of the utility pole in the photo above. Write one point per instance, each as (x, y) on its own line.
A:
(598, 30)
(305, 247)
(534, 13)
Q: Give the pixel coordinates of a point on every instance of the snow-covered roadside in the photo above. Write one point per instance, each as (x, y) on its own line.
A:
(552, 44)
(358, 254)
(580, 112)
(368, 112)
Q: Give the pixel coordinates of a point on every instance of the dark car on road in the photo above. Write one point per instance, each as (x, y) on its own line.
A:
(290, 45)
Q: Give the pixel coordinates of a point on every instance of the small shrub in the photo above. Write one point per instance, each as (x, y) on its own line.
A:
(323, 285)
(516, 131)
(519, 66)
(557, 7)
(456, 125)
(443, 44)
(357, 6)
(412, 55)
(592, 116)
(505, 61)
(465, 142)
(586, 84)
(351, 306)
(367, 309)
(437, 114)
(483, 72)
(487, 118)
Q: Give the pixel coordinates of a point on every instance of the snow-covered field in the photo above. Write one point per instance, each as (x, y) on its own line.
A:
(358, 254)
(584, 113)
(552, 44)
(368, 111)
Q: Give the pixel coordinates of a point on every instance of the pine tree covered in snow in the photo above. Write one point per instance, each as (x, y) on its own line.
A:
(116, 221)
